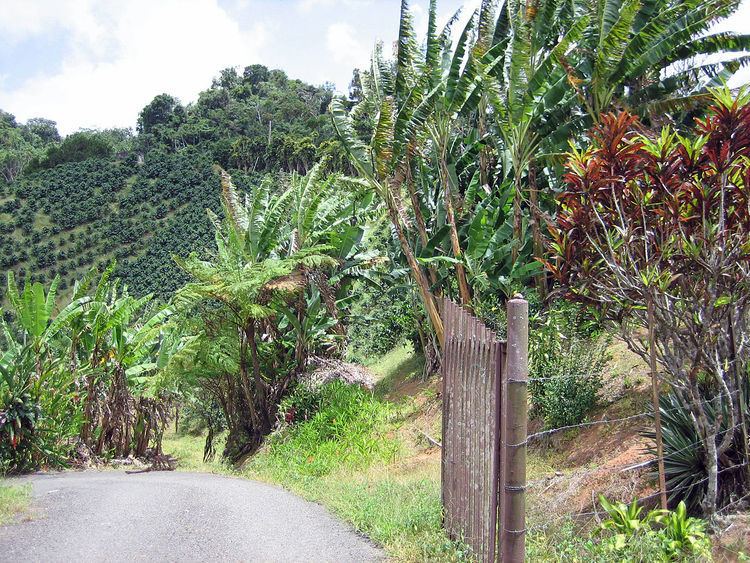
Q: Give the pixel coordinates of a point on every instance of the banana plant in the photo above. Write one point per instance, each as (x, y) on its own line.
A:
(653, 56)
(34, 310)
(377, 172)
(457, 92)
(404, 96)
(253, 273)
(529, 93)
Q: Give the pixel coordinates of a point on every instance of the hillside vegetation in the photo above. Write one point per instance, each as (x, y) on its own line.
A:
(138, 199)
(204, 271)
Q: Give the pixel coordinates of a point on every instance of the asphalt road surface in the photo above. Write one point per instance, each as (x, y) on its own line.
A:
(173, 516)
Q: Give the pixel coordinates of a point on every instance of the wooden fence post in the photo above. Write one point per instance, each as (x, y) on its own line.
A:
(513, 536)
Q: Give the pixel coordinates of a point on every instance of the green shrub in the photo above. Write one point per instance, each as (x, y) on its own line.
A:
(379, 320)
(566, 542)
(678, 535)
(349, 429)
(684, 535)
(626, 534)
(567, 356)
(38, 415)
(301, 404)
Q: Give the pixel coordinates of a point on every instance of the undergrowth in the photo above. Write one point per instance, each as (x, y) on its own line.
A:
(348, 430)
(14, 500)
(567, 542)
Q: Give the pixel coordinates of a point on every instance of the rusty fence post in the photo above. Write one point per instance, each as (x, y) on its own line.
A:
(513, 537)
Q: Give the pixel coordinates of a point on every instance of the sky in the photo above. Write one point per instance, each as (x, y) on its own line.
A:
(96, 63)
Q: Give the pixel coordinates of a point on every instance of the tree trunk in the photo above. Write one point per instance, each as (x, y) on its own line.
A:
(261, 389)
(536, 231)
(712, 467)
(655, 402)
(517, 216)
(419, 278)
(741, 401)
(88, 406)
(329, 299)
(88, 411)
(484, 152)
(245, 378)
(450, 216)
(419, 219)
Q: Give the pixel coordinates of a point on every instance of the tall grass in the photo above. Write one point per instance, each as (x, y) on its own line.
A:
(350, 430)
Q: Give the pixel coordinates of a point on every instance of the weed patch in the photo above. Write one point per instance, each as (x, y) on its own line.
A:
(14, 500)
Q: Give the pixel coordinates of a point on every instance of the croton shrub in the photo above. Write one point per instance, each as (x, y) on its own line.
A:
(663, 218)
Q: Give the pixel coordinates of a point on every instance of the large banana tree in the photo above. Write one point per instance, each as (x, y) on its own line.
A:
(414, 100)
(380, 172)
(456, 90)
(113, 344)
(530, 96)
(655, 55)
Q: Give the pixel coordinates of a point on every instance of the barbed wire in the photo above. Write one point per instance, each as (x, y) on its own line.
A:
(645, 414)
(630, 467)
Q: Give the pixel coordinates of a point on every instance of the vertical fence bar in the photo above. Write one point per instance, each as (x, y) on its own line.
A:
(513, 541)
(445, 435)
(496, 444)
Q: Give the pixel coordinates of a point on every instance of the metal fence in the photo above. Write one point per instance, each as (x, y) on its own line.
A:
(484, 431)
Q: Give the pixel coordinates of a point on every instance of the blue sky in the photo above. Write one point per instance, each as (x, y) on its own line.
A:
(96, 63)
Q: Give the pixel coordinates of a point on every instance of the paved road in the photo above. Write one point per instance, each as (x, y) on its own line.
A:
(173, 516)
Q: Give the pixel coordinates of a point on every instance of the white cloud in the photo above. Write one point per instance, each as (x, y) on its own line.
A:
(307, 6)
(123, 54)
(345, 48)
(33, 17)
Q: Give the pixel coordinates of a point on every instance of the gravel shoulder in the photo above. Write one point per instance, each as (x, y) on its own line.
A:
(174, 516)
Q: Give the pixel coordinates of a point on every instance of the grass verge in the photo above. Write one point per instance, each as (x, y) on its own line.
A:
(14, 502)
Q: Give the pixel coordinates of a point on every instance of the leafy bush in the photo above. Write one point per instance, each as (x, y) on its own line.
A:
(38, 415)
(566, 542)
(684, 535)
(653, 229)
(678, 534)
(379, 320)
(348, 429)
(302, 404)
(627, 534)
(567, 356)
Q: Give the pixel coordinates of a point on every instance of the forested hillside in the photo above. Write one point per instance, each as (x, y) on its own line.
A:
(139, 198)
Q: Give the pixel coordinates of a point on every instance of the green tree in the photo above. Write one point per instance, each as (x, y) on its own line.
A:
(242, 286)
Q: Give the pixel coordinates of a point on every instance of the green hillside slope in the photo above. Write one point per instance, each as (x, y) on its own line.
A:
(141, 198)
